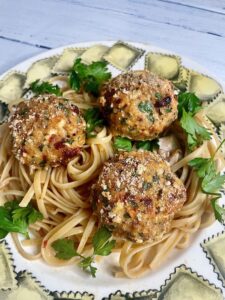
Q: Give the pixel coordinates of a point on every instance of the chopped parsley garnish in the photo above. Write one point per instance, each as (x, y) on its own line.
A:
(88, 77)
(146, 185)
(188, 106)
(93, 119)
(158, 96)
(211, 181)
(148, 145)
(69, 141)
(145, 106)
(155, 178)
(102, 245)
(122, 143)
(14, 218)
(45, 88)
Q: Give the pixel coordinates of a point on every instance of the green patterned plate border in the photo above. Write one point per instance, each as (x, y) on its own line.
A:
(74, 284)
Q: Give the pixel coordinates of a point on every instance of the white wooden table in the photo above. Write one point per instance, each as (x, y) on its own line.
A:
(193, 28)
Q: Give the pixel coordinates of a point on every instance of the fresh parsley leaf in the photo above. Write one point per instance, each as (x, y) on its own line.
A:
(64, 249)
(74, 81)
(44, 88)
(203, 166)
(107, 249)
(89, 77)
(218, 210)
(121, 143)
(206, 170)
(3, 233)
(196, 133)
(93, 271)
(97, 70)
(93, 119)
(92, 86)
(7, 223)
(86, 265)
(27, 213)
(14, 218)
(189, 102)
(102, 245)
(86, 262)
(148, 145)
(100, 238)
(212, 182)
(11, 205)
(188, 105)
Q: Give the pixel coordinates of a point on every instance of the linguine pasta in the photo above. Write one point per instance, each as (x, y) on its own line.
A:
(61, 194)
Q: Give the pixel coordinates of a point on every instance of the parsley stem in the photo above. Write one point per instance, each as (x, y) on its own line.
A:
(221, 144)
(27, 236)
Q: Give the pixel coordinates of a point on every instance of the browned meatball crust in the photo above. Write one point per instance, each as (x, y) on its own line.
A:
(137, 196)
(138, 105)
(46, 130)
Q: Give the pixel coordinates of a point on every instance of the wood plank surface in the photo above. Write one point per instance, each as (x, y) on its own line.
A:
(191, 28)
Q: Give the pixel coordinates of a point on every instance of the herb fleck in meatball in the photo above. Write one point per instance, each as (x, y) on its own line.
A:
(46, 130)
(137, 196)
(138, 105)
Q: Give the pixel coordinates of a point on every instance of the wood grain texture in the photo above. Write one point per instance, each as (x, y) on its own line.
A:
(12, 53)
(33, 22)
(192, 28)
(211, 5)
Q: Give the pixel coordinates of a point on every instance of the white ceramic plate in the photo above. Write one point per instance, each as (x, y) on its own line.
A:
(73, 279)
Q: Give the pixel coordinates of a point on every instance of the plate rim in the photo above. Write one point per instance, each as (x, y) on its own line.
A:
(55, 51)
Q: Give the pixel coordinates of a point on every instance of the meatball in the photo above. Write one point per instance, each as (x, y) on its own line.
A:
(138, 105)
(46, 130)
(137, 196)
